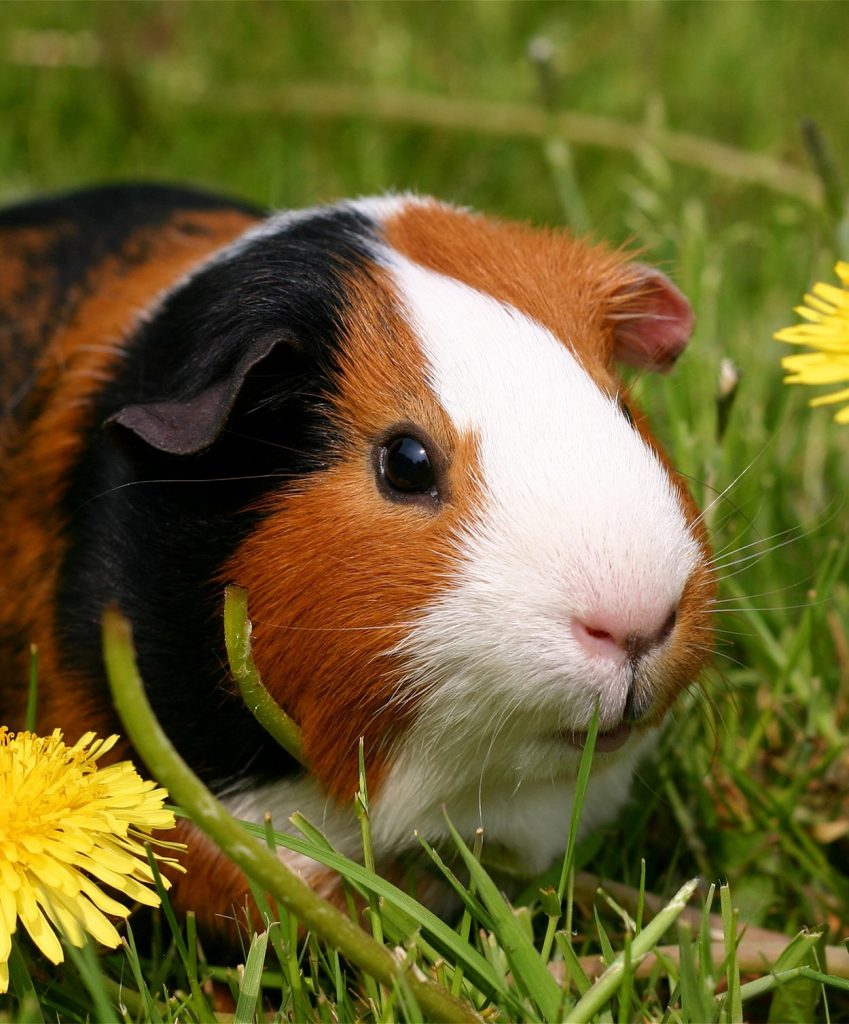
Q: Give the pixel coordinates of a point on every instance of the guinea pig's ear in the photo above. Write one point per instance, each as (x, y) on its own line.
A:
(652, 320)
(186, 426)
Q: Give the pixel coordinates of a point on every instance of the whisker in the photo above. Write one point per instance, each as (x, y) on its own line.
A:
(505, 715)
(714, 630)
(795, 533)
(718, 721)
(774, 608)
(721, 654)
(721, 496)
(188, 480)
(751, 560)
(721, 602)
(734, 482)
(795, 585)
(760, 540)
(289, 449)
(328, 629)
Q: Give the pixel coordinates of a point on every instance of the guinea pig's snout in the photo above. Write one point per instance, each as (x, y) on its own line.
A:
(623, 638)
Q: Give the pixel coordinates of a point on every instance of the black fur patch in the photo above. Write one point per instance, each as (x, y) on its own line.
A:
(101, 218)
(150, 530)
(67, 237)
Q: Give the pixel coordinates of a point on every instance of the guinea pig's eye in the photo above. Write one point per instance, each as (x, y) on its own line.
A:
(406, 467)
(626, 412)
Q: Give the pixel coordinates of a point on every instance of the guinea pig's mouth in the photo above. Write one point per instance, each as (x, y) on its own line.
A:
(605, 742)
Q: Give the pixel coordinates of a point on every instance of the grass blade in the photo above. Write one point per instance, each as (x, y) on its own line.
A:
(796, 1001)
(608, 984)
(248, 1009)
(252, 857)
(581, 782)
(528, 967)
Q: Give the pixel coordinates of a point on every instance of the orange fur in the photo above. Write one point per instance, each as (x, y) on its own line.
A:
(565, 284)
(26, 297)
(77, 356)
(577, 291)
(323, 623)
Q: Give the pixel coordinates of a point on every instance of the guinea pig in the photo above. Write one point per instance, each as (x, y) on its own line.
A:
(397, 424)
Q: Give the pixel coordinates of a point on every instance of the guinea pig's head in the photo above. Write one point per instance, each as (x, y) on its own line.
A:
(481, 542)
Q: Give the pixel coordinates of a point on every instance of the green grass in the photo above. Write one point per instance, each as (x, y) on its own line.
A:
(289, 104)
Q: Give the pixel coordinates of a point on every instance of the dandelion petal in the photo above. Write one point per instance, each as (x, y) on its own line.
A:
(68, 827)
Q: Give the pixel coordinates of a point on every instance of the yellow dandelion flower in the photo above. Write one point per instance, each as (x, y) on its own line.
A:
(68, 827)
(827, 331)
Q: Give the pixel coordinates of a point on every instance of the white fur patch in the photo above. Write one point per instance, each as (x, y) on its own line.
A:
(376, 208)
(281, 800)
(577, 516)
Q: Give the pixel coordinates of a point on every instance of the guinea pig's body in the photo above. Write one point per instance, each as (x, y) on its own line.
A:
(398, 426)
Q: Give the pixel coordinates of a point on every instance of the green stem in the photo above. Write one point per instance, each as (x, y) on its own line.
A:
(604, 989)
(825, 168)
(266, 710)
(567, 870)
(334, 101)
(248, 854)
(32, 695)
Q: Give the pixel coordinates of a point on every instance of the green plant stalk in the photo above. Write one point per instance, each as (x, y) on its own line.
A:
(192, 945)
(561, 165)
(581, 781)
(278, 924)
(761, 986)
(573, 969)
(32, 694)
(86, 962)
(797, 1001)
(825, 168)
(362, 812)
(315, 836)
(300, 996)
(251, 856)
(707, 970)
(824, 979)
(146, 1005)
(334, 100)
(627, 921)
(251, 986)
(380, 997)
(603, 990)
(202, 1008)
(733, 1002)
(608, 954)
(465, 926)
(695, 999)
(395, 899)
(21, 984)
(751, 958)
(479, 912)
(627, 982)
(266, 710)
(275, 920)
(530, 970)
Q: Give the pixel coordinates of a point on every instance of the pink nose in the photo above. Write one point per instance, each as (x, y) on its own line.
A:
(611, 638)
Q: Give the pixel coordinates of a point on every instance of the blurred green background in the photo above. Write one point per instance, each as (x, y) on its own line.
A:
(209, 92)
(295, 103)
(675, 127)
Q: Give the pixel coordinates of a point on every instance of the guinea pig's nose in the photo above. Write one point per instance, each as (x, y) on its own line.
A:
(617, 638)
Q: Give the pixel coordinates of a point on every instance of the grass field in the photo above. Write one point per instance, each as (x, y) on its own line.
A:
(674, 127)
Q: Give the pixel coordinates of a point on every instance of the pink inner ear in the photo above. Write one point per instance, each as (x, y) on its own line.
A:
(652, 321)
